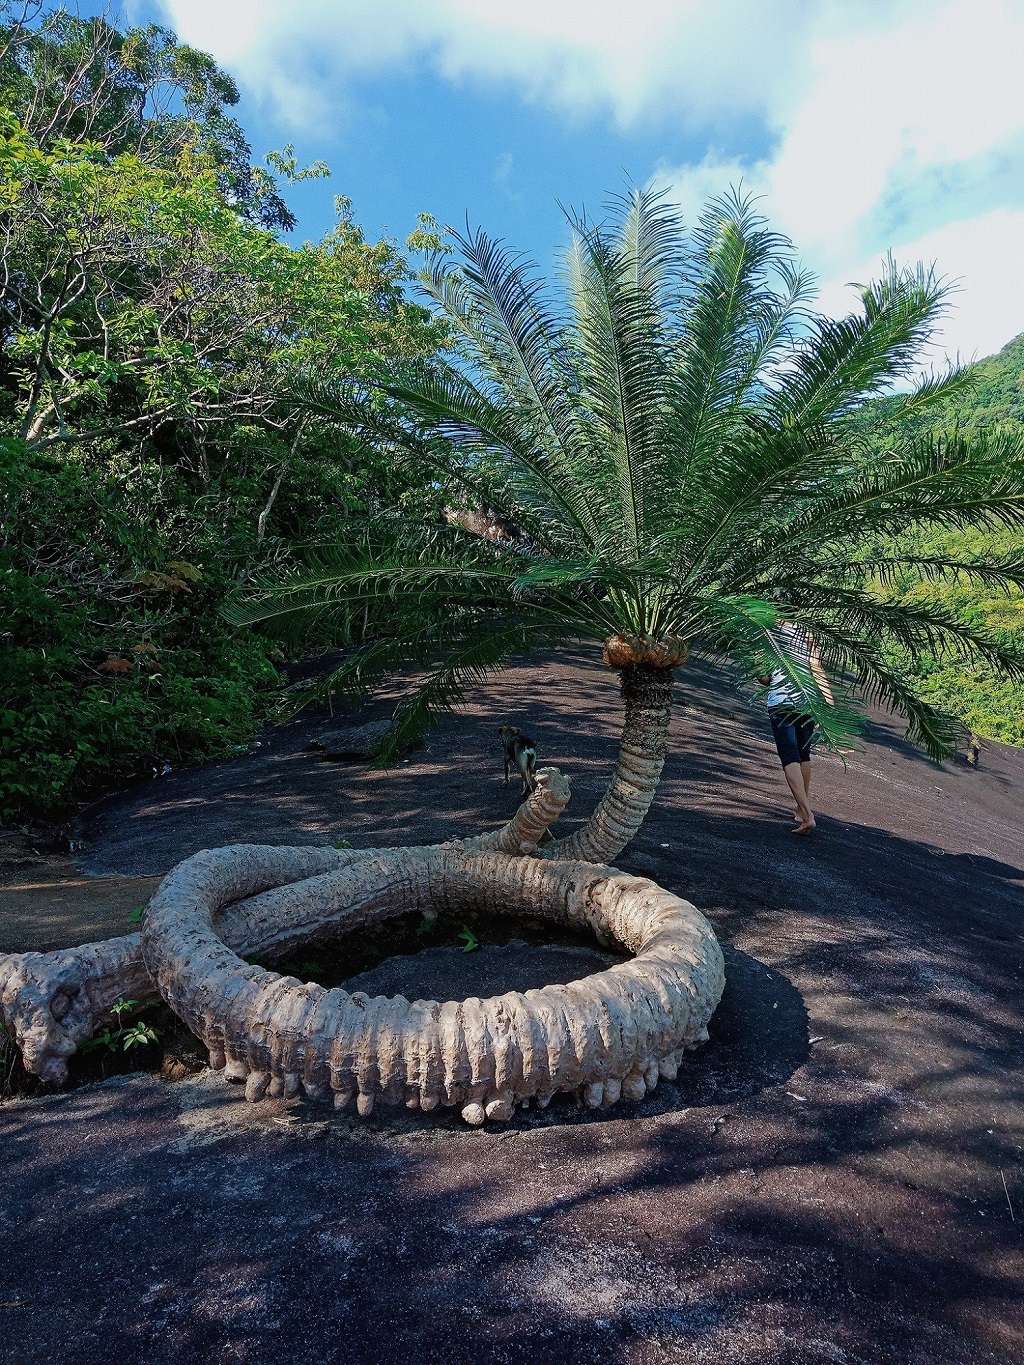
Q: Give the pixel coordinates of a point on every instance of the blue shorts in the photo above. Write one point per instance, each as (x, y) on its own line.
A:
(794, 734)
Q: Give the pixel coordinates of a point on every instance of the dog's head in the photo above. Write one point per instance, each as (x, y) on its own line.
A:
(507, 732)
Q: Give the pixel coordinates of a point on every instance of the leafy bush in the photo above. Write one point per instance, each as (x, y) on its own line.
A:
(113, 655)
(150, 456)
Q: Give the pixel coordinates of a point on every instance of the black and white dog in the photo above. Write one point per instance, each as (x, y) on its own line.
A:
(519, 754)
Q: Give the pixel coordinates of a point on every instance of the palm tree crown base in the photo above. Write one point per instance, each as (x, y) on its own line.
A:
(626, 651)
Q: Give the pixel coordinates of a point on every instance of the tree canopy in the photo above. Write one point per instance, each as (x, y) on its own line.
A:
(677, 438)
(153, 323)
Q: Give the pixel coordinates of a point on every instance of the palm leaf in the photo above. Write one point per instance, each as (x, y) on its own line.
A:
(686, 451)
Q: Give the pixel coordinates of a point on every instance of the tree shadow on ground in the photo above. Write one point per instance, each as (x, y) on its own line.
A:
(830, 1180)
(252, 1234)
(823, 1182)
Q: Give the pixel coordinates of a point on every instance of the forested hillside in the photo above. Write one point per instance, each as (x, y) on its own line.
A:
(995, 394)
(989, 705)
(153, 319)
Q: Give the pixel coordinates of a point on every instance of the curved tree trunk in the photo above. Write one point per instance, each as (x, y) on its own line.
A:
(54, 1001)
(609, 1035)
(647, 695)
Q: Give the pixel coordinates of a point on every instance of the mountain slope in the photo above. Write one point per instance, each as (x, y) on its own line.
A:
(987, 704)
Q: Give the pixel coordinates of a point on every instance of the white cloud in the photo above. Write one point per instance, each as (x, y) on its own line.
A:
(694, 184)
(887, 115)
(504, 177)
(909, 135)
(979, 256)
(878, 124)
(696, 57)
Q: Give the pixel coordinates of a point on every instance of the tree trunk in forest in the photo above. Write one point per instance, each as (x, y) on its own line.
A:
(647, 695)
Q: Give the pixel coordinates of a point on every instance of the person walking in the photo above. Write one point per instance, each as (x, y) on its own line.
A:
(791, 721)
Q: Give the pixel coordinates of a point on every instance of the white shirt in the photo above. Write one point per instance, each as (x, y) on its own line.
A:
(782, 691)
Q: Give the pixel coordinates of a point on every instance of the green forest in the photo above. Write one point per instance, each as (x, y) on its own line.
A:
(989, 704)
(153, 316)
(166, 444)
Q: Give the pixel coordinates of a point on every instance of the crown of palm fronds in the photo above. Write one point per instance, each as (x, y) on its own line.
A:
(672, 432)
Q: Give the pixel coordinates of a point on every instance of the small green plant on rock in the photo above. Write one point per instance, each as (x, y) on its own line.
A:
(313, 968)
(122, 1036)
(470, 942)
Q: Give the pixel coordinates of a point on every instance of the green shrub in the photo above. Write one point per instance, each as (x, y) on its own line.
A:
(113, 654)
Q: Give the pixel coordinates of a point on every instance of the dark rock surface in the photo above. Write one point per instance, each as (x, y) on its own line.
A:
(492, 969)
(824, 1183)
(352, 742)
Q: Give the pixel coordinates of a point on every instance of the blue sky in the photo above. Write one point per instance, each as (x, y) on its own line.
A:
(868, 125)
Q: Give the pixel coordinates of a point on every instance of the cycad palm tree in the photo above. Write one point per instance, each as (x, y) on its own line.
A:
(675, 437)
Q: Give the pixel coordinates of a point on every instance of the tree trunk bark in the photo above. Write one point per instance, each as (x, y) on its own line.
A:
(35, 424)
(54, 1001)
(647, 695)
(264, 516)
(605, 1038)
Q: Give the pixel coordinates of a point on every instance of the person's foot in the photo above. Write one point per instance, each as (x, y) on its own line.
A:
(806, 825)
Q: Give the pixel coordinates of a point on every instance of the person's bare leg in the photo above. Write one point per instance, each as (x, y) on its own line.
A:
(805, 773)
(795, 778)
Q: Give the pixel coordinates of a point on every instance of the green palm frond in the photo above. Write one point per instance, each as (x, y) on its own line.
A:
(684, 448)
(741, 630)
(845, 360)
(877, 679)
(468, 662)
(729, 311)
(916, 626)
(506, 315)
(1005, 572)
(934, 388)
(388, 559)
(776, 322)
(619, 374)
(949, 482)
